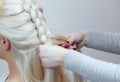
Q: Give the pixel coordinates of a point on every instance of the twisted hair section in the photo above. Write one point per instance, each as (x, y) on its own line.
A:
(24, 24)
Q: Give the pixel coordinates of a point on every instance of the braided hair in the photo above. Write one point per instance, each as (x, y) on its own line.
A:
(24, 24)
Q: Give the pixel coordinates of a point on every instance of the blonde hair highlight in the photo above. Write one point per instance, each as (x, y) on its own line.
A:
(23, 23)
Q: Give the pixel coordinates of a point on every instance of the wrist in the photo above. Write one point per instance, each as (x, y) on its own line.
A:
(86, 37)
(64, 53)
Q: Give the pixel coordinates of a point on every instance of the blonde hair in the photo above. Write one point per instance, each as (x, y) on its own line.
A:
(23, 23)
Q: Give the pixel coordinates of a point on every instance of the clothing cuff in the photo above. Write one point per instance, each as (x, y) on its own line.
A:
(71, 59)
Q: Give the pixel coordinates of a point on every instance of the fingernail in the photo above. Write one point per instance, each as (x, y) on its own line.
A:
(66, 46)
(59, 44)
(74, 48)
(73, 43)
(67, 42)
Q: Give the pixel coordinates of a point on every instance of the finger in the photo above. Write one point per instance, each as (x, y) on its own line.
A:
(42, 55)
(76, 46)
(44, 61)
(59, 37)
(71, 40)
(82, 44)
(65, 45)
(41, 47)
(42, 51)
(73, 47)
(58, 40)
(69, 37)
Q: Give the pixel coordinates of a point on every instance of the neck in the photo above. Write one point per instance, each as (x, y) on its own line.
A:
(14, 72)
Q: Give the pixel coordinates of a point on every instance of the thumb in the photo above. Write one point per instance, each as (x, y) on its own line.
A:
(40, 46)
(82, 44)
(59, 37)
(71, 40)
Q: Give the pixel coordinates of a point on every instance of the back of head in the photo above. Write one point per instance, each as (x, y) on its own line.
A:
(23, 23)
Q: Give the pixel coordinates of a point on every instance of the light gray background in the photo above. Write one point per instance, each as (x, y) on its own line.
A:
(64, 16)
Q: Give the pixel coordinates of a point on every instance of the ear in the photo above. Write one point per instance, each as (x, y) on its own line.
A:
(5, 43)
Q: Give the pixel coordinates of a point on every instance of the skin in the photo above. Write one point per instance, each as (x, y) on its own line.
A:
(5, 54)
(53, 56)
(54, 52)
(1, 10)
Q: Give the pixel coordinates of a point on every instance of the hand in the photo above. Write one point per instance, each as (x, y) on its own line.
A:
(52, 56)
(63, 42)
(77, 39)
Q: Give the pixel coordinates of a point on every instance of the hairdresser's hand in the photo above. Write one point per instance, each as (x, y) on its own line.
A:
(52, 56)
(77, 38)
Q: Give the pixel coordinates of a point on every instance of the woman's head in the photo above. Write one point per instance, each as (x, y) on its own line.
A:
(22, 29)
(20, 23)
